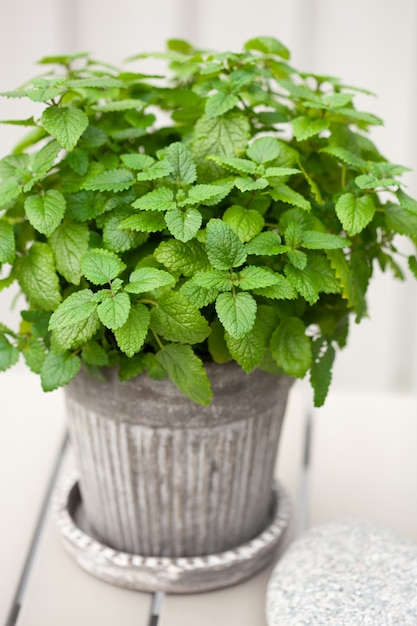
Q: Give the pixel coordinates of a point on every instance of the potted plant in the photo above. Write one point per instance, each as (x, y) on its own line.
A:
(215, 226)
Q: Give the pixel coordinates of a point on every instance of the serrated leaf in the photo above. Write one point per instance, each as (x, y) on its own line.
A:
(314, 240)
(96, 82)
(236, 312)
(131, 367)
(360, 116)
(158, 170)
(264, 150)
(305, 127)
(223, 136)
(297, 258)
(148, 222)
(69, 242)
(117, 239)
(114, 311)
(406, 201)
(315, 278)
(72, 337)
(355, 213)
(84, 206)
(291, 348)
(109, 180)
(278, 172)
(282, 290)
(101, 266)
(400, 220)
(77, 307)
(9, 355)
(58, 370)
(369, 181)
(224, 248)
(252, 277)
(268, 45)
(94, 137)
(65, 124)
(283, 193)
(183, 167)
(213, 279)
(216, 343)
(9, 191)
(219, 103)
(250, 184)
(45, 159)
(148, 278)
(94, 354)
(34, 354)
(236, 164)
(197, 295)
(160, 199)
(186, 371)
(412, 264)
(246, 223)
(46, 212)
(176, 319)
(37, 277)
(248, 351)
(347, 157)
(119, 105)
(78, 161)
(266, 244)
(183, 224)
(320, 374)
(185, 258)
(137, 161)
(131, 335)
(7, 242)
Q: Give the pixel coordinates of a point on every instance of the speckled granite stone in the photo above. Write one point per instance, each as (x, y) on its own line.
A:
(346, 573)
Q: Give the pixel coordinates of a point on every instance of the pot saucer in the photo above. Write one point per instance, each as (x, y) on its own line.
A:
(171, 575)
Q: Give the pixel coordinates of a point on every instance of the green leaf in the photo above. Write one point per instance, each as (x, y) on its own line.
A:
(78, 161)
(37, 277)
(34, 354)
(45, 159)
(248, 351)
(320, 374)
(9, 355)
(223, 136)
(116, 239)
(149, 222)
(45, 212)
(316, 277)
(216, 343)
(347, 157)
(400, 220)
(7, 242)
(132, 367)
(197, 295)
(84, 206)
(412, 264)
(183, 167)
(219, 103)
(305, 127)
(158, 170)
(252, 277)
(297, 258)
(408, 203)
(206, 194)
(58, 370)
(185, 258)
(160, 199)
(250, 184)
(369, 181)
(235, 164)
(186, 371)
(265, 244)
(9, 191)
(101, 266)
(268, 45)
(74, 336)
(213, 279)
(176, 319)
(264, 150)
(246, 223)
(119, 105)
(314, 240)
(114, 311)
(355, 213)
(236, 312)
(65, 124)
(77, 307)
(291, 348)
(137, 161)
(109, 180)
(282, 290)
(183, 224)
(224, 248)
(94, 354)
(283, 193)
(131, 335)
(148, 278)
(69, 242)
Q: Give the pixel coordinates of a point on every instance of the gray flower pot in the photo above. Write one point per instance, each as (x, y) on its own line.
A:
(162, 476)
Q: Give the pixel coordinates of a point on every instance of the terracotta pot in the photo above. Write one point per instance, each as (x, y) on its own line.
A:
(162, 476)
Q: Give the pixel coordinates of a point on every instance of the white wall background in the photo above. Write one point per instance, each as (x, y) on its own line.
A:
(372, 44)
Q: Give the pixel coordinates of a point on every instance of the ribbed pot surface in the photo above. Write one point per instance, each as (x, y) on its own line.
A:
(162, 476)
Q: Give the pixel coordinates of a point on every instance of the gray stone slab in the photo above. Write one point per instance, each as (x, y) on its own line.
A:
(347, 573)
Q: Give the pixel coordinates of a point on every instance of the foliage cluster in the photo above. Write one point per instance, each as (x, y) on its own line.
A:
(230, 208)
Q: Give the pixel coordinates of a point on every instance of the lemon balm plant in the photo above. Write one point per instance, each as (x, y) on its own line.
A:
(232, 208)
